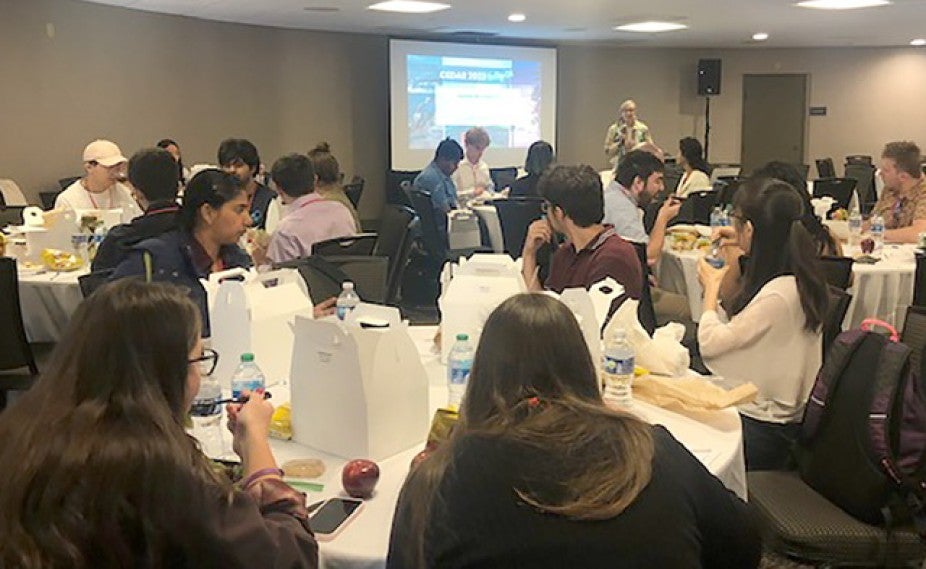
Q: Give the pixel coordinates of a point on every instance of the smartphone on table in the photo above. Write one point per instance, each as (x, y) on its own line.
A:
(333, 516)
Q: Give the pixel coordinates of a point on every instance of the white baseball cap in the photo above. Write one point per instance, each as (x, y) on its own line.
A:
(104, 152)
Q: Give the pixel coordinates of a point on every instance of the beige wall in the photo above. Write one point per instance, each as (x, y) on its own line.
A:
(137, 77)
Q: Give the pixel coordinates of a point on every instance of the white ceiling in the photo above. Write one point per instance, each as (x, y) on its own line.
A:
(712, 23)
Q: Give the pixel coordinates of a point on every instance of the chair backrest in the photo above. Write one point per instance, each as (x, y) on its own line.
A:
(837, 271)
(434, 240)
(804, 169)
(724, 170)
(672, 176)
(395, 241)
(354, 190)
(394, 191)
(914, 336)
(48, 199)
(11, 195)
(361, 244)
(859, 159)
(502, 177)
(825, 168)
(864, 176)
(324, 275)
(726, 187)
(646, 314)
(515, 215)
(11, 215)
(835, 314)
(919, 281)
(697, 208)
(838, 188)
(14, 346)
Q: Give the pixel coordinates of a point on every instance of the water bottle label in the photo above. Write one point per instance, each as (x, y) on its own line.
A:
(459, 375)
(616, 366)
(342, 312)
(239, 386)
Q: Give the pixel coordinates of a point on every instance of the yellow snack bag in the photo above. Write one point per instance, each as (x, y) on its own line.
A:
(281, 423)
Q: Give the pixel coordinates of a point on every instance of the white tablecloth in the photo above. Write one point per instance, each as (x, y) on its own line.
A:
(48, 300)
(715, 438)
(883, 290)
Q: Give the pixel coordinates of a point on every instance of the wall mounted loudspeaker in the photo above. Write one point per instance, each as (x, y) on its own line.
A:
(708, 77)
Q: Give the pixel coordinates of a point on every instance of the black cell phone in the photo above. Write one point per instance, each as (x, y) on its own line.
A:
(678, 198)
(333, 514)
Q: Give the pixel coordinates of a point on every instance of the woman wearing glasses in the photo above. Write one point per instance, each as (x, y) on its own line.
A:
(773, 335)
(100, 472)
(213, 218)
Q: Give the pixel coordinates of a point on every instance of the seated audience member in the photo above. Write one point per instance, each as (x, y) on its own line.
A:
(213, 218)
(697, 174)
(101, 186)
(239, 157)
(435, 179)
(539, 472)
(100, 471)
(539, 157)
(903, 199)
(592, 251)
(174, 149)
(153, 173)
(774, 333)
(328, 179)
(472, 177)
(308, 218)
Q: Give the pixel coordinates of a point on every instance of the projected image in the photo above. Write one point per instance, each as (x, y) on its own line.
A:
(448, 95)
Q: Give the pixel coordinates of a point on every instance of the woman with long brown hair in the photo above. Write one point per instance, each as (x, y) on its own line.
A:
(99, 471)
(540, 473)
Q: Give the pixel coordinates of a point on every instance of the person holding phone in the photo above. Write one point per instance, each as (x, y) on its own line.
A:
(539, 472)
(100, 471)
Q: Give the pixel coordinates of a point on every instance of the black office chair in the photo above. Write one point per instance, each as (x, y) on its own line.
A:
(324, 275)
(395, 241)
(804, 169)
(697, 208)
(354, 190)
(48, 199)
(63, 183)
(825, 168)
(859, 159)
(433, 240)
(839, 189)
(361, 244)
(11, 215)
(919, 281)
(839, 301)
(672, 176)
(15, 352)
(502, 177)
(646, 313)
(726, 187)
(395, 194)
(914, 336)
(864, 176)
(515, 215)
(837, 271)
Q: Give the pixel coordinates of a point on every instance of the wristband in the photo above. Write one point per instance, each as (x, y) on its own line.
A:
(250, 480)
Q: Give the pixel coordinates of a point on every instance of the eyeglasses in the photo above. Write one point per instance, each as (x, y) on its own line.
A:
(206, 362)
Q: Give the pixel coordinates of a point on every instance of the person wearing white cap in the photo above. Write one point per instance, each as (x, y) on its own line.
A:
(100, 188)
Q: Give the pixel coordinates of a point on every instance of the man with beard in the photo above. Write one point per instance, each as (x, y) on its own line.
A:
(637, 180)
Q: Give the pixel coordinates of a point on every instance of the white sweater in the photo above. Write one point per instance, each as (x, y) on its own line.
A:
(77, 197)
(766, 344)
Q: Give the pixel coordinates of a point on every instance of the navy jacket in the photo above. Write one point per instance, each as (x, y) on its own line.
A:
(177, 258)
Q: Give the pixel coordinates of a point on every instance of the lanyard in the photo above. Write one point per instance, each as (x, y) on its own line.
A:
(93, 201)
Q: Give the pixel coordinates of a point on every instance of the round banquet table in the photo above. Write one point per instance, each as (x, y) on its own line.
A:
(48, 299)
(715, 438)
(882, 290)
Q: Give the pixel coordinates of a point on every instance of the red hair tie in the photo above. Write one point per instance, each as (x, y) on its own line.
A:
(533, 402)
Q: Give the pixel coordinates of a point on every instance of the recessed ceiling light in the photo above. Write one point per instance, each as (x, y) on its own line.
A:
(842, 4)
(650, 27)
(761, 36)
(322, 9)
(409, 6)
(918, 42)
(517, 17)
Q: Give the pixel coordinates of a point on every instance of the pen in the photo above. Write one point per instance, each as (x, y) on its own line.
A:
(267, 395)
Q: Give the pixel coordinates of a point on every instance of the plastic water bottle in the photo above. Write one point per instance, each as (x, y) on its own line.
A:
(725, 216)
(855, 227)
(347, 300)
(716, 217)
(207, 418)
(247, 377)
(877, 233)
(618, 368)
(459, 364)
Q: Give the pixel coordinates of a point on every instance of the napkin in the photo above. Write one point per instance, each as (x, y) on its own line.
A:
(690, 393)
(662, 354)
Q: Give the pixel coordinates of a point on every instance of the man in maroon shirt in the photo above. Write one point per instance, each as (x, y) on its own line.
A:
(574, 205)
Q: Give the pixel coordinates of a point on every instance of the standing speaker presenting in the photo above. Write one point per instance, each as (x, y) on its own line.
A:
(626, 134)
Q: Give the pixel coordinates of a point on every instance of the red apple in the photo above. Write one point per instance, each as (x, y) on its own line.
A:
(867, 245)
(359, 477)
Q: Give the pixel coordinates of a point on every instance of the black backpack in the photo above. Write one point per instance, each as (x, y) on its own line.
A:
(863, 439)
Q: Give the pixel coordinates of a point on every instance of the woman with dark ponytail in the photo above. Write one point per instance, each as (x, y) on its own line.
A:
(773, 337)
(697, 170)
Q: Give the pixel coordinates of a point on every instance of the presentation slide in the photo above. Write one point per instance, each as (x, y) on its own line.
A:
(440, 90)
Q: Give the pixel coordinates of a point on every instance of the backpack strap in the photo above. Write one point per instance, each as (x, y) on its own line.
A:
(837, 359)
(891, 364)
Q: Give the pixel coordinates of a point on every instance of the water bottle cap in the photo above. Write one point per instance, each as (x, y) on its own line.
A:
(462, 337)
(347, 285)
(247, 357)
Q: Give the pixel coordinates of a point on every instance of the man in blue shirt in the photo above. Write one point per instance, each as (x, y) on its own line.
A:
(435, 179)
